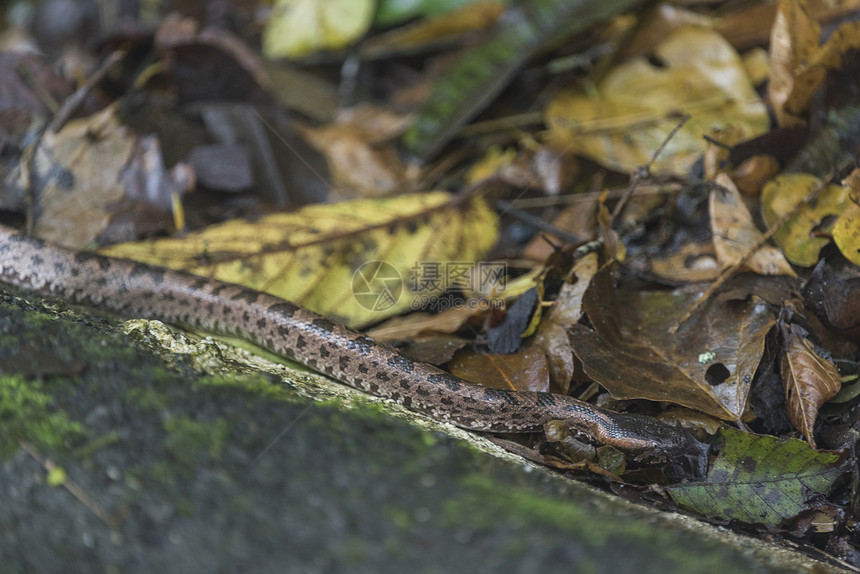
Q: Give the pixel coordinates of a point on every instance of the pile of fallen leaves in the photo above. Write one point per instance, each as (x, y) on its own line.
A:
(655, 209)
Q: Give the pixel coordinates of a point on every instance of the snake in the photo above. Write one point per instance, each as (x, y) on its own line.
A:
(134, 289)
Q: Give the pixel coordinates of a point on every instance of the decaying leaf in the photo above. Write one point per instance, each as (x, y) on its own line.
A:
(79, 177)
(316, 256)
(525, 370)
(359, 166)
(762, 480)
(708, 365)
(809, 380)
(781, 195)
(799, 65)
(552, 333)
(692, 263)
(735, 234)
(833, 294)
(517, 323)
(638, 105)
(793, 43)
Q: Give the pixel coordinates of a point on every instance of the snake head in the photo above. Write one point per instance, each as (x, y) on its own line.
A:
(675, 446)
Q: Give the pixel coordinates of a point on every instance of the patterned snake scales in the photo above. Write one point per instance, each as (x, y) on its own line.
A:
(137, 290)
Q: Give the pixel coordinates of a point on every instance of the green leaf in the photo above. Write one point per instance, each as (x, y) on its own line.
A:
(761, 479)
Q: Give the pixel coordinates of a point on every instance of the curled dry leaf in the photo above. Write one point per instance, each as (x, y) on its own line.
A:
(79, 171)
(809, 381)
(735, 234)
(799, 64)
(552, 335)
(793, 43)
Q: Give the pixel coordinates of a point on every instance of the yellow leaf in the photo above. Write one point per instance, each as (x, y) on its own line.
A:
(354, 261)
(638, 104)
(781, 195)
(846, 233)
(298, 28)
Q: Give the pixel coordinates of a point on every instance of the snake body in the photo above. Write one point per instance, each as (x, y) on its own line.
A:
(138, 290)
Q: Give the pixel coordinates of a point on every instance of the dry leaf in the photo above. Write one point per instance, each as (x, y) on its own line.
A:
(809, 381)
(355, 261)
(692, 263)
(793, 42)
(810, 74)
(566, 310)
(707, 366)
(522, 371)
(833, 294)
(450, 320)
(735, 234)
(360, 166)
(79, 175)
(638, 104)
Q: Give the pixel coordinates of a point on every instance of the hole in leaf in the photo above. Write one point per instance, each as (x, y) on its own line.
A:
(716, 374)
(656, 61)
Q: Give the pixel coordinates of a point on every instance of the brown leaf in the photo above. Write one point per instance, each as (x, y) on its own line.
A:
(793, 43)
(551, 335)
(523, 371)
(809, 381)
(735, 234)
(833, 294)
(78, 170)
(707, 366)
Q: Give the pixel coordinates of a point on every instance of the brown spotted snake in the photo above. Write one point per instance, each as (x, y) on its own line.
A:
(137, 290)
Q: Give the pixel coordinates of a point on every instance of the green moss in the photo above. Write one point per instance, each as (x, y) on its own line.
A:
(148, 398)
(516, 504)
(190, 441)
(102, 441)
(256, 384)
(26, 413)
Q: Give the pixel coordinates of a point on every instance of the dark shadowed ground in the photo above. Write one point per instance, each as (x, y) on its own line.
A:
(236, 473)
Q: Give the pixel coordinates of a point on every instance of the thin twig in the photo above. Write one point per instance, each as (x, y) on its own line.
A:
(74, 102)
(643, 172)
(69, 107)
(112, 521)
(535, 221)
